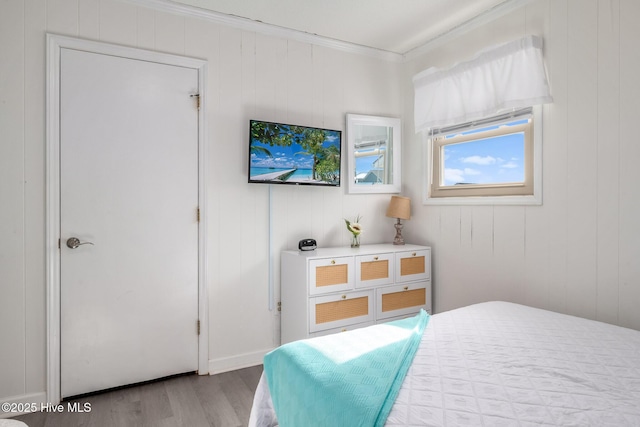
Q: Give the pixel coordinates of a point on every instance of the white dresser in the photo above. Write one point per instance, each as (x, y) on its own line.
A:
(336, 289)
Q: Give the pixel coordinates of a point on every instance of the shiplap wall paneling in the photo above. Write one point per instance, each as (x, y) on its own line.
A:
(170, 32)
(34, 161)
(228, 181)
(255, 225)
(476, 253)
(89, 12)
(118, 23)
(629, 207)
(509, 252)
(269, 104)
(555, 159)
(300, 89)
(535, 276)
(146, 33)
(483, 275)
(449, 252)
(582, 164)
(608, 155)
(62, 16)
(228, 178)
(328, 93)
(270, 81)
(12, 191)
(252, 219)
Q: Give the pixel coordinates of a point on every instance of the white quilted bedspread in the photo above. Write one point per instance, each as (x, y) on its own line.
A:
(502, 364)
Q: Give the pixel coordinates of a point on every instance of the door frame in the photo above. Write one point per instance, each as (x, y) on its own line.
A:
(55, 43)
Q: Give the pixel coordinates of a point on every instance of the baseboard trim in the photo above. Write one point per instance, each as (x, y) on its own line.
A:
(226, 364)
(34, 400)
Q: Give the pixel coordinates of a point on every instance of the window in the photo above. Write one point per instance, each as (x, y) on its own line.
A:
(491, 161)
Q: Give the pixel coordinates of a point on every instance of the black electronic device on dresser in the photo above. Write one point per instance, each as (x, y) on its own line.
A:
(307, 244)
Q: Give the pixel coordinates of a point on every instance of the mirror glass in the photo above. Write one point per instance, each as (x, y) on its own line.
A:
(373, 154)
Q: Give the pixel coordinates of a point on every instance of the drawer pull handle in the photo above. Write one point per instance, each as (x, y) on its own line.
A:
(375, 258)
(333, 261)
(344, 297)
(406, 288)
(414, 254)
(344, 330)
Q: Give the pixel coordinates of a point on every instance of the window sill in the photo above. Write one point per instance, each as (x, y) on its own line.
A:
(535, 200)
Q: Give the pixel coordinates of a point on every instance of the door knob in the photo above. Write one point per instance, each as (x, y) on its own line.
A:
(74, 242)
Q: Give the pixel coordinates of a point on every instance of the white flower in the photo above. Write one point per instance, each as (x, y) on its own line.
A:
(355, 228)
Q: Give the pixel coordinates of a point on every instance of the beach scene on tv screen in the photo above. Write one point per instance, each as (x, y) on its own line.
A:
(289, 154)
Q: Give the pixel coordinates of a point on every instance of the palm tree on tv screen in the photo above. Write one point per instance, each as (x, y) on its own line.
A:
(329, 165)
(311, 142)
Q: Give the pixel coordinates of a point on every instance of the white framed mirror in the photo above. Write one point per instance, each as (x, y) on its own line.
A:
(373, 154)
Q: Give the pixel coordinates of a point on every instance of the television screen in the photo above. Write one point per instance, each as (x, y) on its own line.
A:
(288, 154)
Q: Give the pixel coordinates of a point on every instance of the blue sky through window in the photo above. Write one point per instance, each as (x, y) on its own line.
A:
(365, 164)
(494, 160)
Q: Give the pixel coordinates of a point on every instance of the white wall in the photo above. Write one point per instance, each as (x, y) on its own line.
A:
(250, 76)
(577, 253)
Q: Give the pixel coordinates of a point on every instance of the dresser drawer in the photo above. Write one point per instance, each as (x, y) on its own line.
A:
(374, 270)
(340, 310)
(401, 300)
(413, 265)
(331, 275)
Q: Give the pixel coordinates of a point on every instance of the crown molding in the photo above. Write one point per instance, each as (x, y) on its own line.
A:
(264, 28)
(475, 22)
(301, 36)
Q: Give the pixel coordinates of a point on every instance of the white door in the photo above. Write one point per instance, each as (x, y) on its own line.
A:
(129, 194)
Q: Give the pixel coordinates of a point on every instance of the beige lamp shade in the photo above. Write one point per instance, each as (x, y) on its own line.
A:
(399, 207)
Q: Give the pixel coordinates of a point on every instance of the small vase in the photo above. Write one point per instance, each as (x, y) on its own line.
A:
(355, 241)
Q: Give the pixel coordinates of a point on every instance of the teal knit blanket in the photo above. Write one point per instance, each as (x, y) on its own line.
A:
(347, 379)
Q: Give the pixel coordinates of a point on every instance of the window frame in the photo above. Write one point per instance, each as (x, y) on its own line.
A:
(487, 194)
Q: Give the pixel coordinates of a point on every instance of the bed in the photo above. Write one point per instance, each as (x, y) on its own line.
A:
(505, 364)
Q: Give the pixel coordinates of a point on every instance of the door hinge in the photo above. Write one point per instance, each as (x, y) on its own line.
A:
(198, 214)
(58, 243)
(198, 327)
(197, 97)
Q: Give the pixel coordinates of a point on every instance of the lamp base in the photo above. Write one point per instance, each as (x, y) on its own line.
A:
(398, 240)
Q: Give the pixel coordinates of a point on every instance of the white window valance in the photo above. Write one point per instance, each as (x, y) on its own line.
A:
(501, 78)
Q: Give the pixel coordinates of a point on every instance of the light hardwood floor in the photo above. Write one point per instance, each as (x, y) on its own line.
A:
(222, 400)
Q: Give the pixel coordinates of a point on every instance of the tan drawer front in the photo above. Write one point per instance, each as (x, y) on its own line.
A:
(339, 310)
(329, 275)
(403, 299)
(414, 265)
(374, 270)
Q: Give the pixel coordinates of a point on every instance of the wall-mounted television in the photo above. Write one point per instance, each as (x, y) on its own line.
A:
(281, 153)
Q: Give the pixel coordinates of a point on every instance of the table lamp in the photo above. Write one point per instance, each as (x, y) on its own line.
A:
(400, 208)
